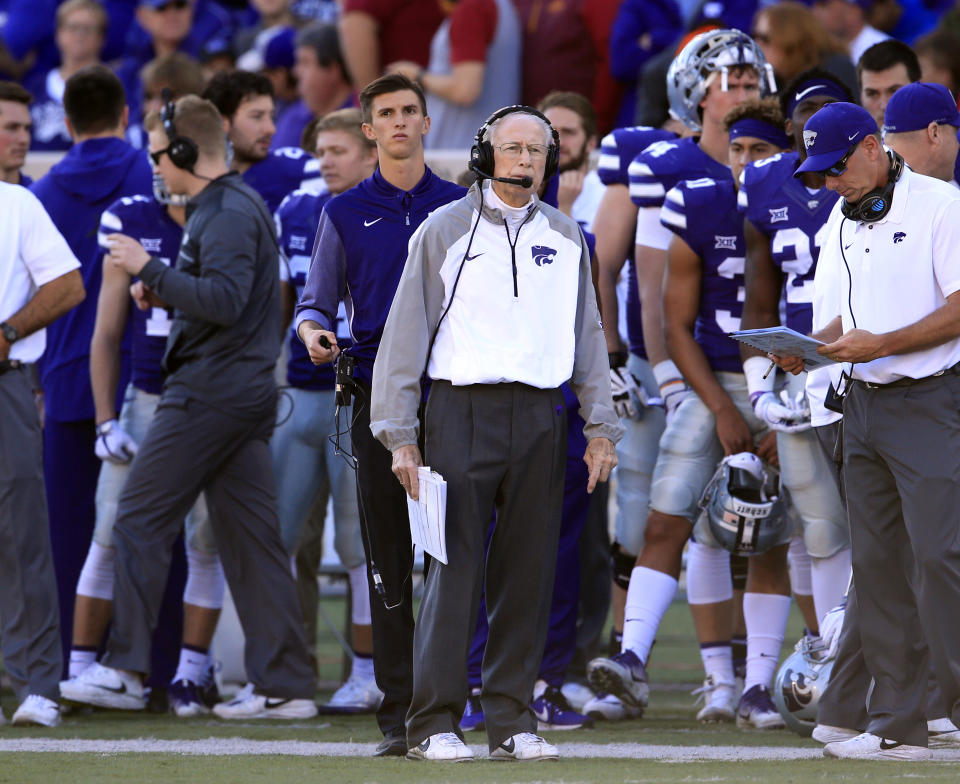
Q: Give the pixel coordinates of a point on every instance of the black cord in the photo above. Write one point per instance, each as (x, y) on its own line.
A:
(847, 374)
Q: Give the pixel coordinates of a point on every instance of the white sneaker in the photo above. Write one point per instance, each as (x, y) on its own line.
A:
(825, 733)
(357, 695)
(719, 701)
(610, 708)
(442, 747)
(259, 706)
(37, 710)
(105, 687)
(943, 733)
(869, 746)
(524, 747)
(577, 694)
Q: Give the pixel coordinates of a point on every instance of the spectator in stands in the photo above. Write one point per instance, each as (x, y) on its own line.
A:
(323, 83)
(27, 44)
(939, 56)
(474, 70)
(245, 101)
(278, 61)
(99, 169)
(793, 40)
(177, 72)
(81, 32)
(376, 32)
(217, 57)
(305, 461)
(274, 15)
(14, 133)
(847, 20)
(40, 281)
(882, 70)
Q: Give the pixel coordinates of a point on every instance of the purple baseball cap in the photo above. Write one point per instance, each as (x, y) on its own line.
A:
(831, 133)
(915, 106)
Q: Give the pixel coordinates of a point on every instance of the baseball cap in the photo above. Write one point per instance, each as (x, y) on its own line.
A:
(831, 132)
(915, 106)
(161, 3)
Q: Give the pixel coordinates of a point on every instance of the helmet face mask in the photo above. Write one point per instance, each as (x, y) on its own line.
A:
(709, 54)
(162, 194)
(800, 683)
(744, 505)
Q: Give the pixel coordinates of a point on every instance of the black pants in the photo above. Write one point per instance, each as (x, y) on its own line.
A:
(386, 542)
(193, 447)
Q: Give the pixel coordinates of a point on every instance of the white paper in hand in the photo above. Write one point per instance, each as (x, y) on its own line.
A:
(428, 515)
(784, 342)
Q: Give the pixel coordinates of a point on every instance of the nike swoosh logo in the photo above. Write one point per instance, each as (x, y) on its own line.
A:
(508, 746)
(122, 689)
(471, 258)
(886, 745)
(274, 703)
(847, 247)
(370, 223)
(799, 96)
(851, 138)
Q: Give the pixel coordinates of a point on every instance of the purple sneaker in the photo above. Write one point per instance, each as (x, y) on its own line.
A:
(756, 709)
(623, 676)
(553, 712)
(472, 713)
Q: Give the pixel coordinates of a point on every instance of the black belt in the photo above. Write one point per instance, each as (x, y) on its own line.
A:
(11, 364)
(906, 381)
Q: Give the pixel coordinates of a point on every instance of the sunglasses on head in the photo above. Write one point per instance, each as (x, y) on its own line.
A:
(840, 166)
(178, 5)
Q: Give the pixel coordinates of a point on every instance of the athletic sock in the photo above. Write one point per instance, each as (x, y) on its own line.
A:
(831, 577)
(648, 598)
(362, 666)
(193, 664)
(739, 647)
(717, 660)
(81, 657)
(766, 616)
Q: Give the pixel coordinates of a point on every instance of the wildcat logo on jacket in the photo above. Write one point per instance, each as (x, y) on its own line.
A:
(542, 254)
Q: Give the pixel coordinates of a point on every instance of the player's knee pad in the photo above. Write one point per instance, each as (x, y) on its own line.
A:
(801, 580)
(96, 577)
(360, 596)
(205, 581)
(621, 564)
(708, 575)
(825, 537)
(739, 569)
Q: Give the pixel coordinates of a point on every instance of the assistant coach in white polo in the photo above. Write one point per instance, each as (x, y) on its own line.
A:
(502, 281)
(892, 247)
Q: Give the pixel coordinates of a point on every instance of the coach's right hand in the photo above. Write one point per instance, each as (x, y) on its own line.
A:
(321, 344)
(406, 461)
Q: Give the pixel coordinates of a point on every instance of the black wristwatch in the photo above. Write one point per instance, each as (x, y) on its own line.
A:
(10, 333)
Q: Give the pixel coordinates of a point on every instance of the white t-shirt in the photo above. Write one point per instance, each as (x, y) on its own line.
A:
(586, 204)
(866, 38)
(902, 269)
(33, 253)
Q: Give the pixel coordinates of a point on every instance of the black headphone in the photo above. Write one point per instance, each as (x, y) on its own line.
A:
(183, 150)
(481, 153)
(875, 205)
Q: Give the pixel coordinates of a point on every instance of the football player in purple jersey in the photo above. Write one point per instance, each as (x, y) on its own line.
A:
(702, 303)
(784, 222)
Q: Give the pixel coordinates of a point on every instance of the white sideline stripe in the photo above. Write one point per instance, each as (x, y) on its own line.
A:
(243, 746)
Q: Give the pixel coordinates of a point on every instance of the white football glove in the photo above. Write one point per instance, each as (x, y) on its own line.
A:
(830, 629)
(626, 393)
(114, 445)
(786, 414)
(673, 388)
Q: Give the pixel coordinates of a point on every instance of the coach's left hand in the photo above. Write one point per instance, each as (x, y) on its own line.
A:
(127, 253)
(601, 458)
(857, 345)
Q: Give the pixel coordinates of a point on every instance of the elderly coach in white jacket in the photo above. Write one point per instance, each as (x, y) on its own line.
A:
(500, 302)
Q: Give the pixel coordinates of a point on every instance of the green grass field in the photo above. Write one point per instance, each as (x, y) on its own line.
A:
(674, 671)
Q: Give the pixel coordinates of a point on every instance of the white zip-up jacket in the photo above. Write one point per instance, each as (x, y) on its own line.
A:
(524, 310)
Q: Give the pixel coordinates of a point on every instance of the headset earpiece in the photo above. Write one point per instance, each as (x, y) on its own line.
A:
(481, 153)
(182, 150)
(876, 204)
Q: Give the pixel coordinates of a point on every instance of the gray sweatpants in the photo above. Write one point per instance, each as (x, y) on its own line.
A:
(902, 476)
(190, 447)
(500, 447)
(29, 613)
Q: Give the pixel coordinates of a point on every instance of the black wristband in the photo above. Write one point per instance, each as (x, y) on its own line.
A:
(617, 358)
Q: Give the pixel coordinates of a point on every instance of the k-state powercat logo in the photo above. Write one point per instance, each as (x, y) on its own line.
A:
(542, 254)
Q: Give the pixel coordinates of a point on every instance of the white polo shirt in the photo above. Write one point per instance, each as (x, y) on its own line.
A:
(902, 269)
(33, 252)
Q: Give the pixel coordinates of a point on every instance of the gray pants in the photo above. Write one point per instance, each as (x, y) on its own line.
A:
(500, 447)
(29, 613)
(192, 447)
(902, 476)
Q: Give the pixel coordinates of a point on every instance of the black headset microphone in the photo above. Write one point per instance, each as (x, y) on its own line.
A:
(523, 182)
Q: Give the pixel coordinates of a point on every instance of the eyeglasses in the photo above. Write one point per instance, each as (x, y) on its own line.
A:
(840, 166)
(178, 5)
(158, 154)
(514, 150)
(761, 38)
